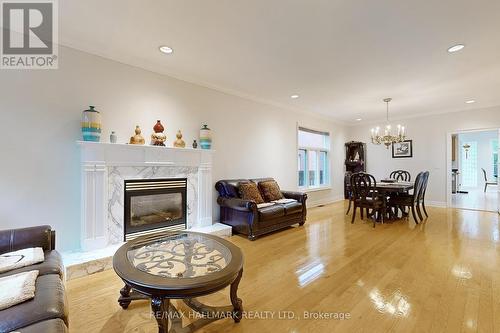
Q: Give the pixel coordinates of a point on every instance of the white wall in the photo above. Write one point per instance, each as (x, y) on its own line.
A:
(41, 110)
(429, 135)
(484, 152)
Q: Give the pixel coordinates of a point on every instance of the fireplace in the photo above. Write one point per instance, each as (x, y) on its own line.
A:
(153, 205)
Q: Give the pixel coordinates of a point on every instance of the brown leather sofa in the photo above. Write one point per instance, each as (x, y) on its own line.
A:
(247, 219)
(48, 310)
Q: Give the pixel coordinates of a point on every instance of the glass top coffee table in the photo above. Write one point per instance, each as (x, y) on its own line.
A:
(180, 265)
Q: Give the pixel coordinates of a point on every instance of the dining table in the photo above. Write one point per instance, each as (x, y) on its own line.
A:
(394, 187)
(386, 189)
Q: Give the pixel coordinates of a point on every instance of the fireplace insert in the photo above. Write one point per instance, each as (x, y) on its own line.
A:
(153, 205)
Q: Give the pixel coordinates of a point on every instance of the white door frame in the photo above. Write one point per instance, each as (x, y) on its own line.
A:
(448, 158)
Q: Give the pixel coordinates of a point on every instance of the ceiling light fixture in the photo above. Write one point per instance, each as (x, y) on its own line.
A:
(456, 48)
(470, 101)
(388, 138)
(166, 49)
(358, 119)
(294, 96)
(466, 147)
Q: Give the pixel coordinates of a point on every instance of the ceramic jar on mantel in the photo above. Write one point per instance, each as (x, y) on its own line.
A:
(113, 137)
(158, 137)
(205, 137)
(91, 125)
(179, 143)
(137, 139)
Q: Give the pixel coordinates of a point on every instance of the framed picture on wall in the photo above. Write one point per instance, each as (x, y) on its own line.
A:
(402, 149)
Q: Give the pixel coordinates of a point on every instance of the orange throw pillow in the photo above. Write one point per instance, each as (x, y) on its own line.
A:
(249, 191)
(270, 190)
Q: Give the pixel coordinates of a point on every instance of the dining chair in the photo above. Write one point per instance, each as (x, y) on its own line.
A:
(424, 190)
(411, 200)
(365, 196)
(349, 194)
(486, 182)
(400, 175)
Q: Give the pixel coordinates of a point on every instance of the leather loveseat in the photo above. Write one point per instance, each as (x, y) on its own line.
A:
(48, 310)
(244, 216)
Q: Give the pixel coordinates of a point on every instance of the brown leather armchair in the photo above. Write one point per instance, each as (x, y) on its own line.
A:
(48, 310)
(247, 219)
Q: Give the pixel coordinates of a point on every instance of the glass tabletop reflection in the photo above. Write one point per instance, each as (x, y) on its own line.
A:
(182, 255)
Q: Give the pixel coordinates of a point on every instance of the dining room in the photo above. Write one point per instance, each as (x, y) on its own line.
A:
(390, 199)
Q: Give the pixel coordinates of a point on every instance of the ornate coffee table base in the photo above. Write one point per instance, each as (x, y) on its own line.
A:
(164, 311)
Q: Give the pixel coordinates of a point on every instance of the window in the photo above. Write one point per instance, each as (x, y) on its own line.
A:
(494, 148)
(313, 158)
(469, 165)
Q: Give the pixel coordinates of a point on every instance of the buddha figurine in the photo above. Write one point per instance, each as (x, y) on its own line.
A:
(158, 138)
(137, 139)
(179, 143)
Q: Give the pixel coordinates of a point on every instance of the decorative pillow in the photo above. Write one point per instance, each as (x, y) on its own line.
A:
(270, 190)
(250, 191)
(17, 288)
(21, 258)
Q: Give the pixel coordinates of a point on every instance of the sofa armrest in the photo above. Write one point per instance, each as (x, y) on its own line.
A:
(17, 239)
(299, 196)
(237, 204)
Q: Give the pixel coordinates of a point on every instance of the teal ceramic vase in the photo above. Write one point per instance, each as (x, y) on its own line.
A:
(91, 125)
(205, 137)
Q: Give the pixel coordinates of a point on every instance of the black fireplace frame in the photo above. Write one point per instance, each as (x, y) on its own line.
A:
(178, 224)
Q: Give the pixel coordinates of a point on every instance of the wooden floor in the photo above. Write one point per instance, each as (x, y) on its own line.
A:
(440, 276)
(476, 198)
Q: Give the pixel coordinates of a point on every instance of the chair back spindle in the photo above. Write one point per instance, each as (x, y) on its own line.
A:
(400, 175)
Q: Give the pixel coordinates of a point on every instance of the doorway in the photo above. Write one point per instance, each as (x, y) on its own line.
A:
(474, 170)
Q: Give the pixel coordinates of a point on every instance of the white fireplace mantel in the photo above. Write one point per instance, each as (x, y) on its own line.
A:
(102, 162)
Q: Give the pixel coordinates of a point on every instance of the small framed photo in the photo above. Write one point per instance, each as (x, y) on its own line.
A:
(402, 149)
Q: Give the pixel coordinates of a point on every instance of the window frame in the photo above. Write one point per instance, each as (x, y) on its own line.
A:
(328, 181)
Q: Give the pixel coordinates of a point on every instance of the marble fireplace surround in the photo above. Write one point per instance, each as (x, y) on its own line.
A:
(105, 167)
(116, 180)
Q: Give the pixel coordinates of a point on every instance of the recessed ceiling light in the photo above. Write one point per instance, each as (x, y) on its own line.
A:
(456, 48)
(294, 96)
(470, 101)
(165, 49)
(358, 119)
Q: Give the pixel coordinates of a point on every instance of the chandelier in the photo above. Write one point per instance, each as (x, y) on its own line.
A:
(388, 138)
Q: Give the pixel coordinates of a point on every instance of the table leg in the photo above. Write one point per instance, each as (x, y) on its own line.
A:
(159, 306)
(124, 300)
(235, 301)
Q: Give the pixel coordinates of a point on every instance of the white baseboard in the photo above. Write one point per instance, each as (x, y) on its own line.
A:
(326, 201)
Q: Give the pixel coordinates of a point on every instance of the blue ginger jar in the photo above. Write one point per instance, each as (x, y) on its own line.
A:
(91, 125)
(205, 137)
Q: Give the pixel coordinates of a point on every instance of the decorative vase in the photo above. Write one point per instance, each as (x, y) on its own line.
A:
(158, 138)
(195, 144)
(158, 127)
(137, 139)
(205, 137)
(112, 137)
(179, 143)
(91, 125)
